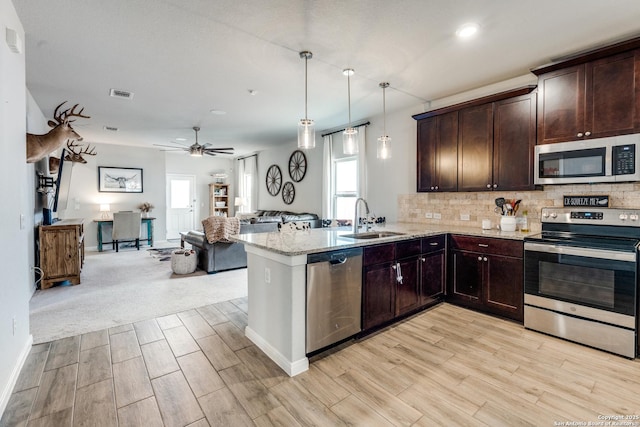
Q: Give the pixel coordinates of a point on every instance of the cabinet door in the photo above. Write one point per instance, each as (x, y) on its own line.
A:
(475, 156)
(466, 280)
(408, 289)
(379, 290)
(514, 139)
(611, 95)
(503, 292)
(561, 104)
(446, 167)
(427, 145)
(432, 277)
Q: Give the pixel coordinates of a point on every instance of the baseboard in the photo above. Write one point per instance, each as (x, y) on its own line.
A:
(292, 368)
(8, 388)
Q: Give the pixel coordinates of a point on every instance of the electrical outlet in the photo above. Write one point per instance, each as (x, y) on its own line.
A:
(267, 275)
(437, 216)
(464, 217)
(428, 215)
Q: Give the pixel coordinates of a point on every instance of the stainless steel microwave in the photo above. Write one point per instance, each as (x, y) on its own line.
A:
(612, 159)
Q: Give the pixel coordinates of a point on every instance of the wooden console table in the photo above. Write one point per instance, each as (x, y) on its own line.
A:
(102, 222)
(61, 252)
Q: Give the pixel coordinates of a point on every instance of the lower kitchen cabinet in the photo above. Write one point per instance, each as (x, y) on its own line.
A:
(487, 274)
(400, 278)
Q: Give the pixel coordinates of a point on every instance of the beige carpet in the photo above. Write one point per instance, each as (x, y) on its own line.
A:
(125, 287)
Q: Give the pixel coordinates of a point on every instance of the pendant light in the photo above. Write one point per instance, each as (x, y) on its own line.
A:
(306, 127)
(384, 142)
(350, 134)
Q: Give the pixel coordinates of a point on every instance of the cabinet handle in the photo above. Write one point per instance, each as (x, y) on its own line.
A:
(587, 133)
(434, 243)
(484, 259)
(483, 245)
(495, 185)
(488, 185)
(479, 258)
(423, 259)
(580, 135)
(432, 188)
(436, 187)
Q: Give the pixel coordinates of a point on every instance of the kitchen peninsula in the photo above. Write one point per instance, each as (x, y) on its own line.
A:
(276, 264)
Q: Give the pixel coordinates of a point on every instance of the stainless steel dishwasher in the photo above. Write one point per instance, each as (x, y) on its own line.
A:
(334, 297)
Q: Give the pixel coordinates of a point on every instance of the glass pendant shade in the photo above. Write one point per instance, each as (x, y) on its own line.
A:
(306, 126)
(350, 141)
(306, 134)
(384, 148)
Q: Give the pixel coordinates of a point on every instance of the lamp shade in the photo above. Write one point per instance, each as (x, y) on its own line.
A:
(350, 141)
(306, 134)
(105, 209)
(384, 148)
(238, 201)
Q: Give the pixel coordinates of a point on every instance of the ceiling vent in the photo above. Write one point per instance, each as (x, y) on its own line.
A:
(110, 128)
(117, 93)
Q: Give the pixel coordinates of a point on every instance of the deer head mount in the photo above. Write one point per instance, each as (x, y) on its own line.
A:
(38, 146)
(75, 156)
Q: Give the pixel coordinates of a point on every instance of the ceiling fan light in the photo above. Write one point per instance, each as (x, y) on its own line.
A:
(306, 134)
(350, 141)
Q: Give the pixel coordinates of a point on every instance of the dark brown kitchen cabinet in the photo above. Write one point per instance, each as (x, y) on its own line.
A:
(433, 264)
(594, 99)
(487, 275)
(399, 279)
(438, 153)
(475, 148)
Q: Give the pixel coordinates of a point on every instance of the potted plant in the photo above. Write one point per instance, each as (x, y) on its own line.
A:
(145, 208)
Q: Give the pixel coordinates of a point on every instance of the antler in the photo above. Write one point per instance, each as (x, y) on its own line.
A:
(63, 116)
(76, 156)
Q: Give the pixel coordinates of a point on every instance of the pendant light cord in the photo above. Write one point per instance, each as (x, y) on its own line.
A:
(349, 94)
(306, 58)
(384, 111)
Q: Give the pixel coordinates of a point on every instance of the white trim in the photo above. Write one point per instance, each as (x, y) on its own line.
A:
(6, 393)
(292, 368)
(288, 260)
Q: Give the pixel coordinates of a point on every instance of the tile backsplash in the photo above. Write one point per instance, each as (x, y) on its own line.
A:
(480, 205)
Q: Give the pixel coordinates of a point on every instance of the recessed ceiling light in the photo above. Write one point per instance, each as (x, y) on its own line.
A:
(467, 30)
(218, 112)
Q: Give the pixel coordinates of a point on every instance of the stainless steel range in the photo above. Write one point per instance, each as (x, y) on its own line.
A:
(581, 277)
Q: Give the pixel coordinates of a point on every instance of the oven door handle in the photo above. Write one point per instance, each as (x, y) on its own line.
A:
(585, 252)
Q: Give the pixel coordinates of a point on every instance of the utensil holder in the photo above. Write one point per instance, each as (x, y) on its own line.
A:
(508, 223)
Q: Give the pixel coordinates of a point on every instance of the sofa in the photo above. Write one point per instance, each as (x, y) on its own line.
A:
(221, 256)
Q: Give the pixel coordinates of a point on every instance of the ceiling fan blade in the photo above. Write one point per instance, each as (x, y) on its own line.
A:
(220, 149)
(170, 146)
(210, 153)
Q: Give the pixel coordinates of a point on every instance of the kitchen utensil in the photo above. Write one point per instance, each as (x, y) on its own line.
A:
(516, 206)
(500, 203)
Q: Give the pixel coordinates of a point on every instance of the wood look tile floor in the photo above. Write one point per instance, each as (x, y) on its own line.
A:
(445, 366)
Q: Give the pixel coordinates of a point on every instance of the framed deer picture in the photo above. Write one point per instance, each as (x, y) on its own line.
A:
(119, 180)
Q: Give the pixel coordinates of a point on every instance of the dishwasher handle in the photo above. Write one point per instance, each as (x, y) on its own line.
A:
(338, 258)
(334, 257)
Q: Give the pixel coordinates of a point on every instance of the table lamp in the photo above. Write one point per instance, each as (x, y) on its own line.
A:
(105, 209)
(238, 203)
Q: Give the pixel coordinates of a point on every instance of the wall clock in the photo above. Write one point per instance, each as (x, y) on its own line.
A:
(288, 192)
(297, 165)
(274, 179)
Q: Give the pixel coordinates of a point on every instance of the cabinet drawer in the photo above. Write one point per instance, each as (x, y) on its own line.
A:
(494, 246)
(379, 254)
(433, 244)
(408, 248)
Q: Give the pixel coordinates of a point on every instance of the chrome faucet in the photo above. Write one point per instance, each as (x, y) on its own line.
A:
(356, 218)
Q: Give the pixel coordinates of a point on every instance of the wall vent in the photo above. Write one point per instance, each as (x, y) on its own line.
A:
(117, 93)
(110, 128)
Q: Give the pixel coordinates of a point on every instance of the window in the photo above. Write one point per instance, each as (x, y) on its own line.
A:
(345, 187)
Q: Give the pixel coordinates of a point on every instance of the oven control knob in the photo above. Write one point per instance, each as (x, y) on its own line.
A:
(623, 217)
(554, 215)
(633, 217)
(545, 214)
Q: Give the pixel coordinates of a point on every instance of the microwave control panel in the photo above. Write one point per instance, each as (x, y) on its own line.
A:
(624, 159)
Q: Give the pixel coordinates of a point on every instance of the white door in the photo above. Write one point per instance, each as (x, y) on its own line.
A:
(181, 203)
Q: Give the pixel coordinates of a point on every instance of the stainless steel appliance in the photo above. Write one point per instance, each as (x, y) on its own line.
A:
(613, 159)
(334, 297)
(581, 277)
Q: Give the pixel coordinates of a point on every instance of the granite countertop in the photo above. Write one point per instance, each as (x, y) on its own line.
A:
(318, 240)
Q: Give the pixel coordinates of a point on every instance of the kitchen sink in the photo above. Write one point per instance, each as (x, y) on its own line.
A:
(372, 234)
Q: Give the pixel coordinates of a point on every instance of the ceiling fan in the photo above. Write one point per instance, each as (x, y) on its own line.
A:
(197, 150)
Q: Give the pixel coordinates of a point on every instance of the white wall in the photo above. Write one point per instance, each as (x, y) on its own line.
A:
(308, 191)
(16, 216)
(85, 199)
(202, 168)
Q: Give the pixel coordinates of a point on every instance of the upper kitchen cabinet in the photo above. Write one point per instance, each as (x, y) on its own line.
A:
(484, 144)
(592, 96)
(438, 153)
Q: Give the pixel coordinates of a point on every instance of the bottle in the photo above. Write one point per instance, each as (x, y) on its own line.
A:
(525, 223)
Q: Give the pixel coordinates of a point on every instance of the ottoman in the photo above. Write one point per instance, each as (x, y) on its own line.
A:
(184, 261)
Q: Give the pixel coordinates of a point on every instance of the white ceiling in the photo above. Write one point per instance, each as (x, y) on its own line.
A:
(183, 58)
